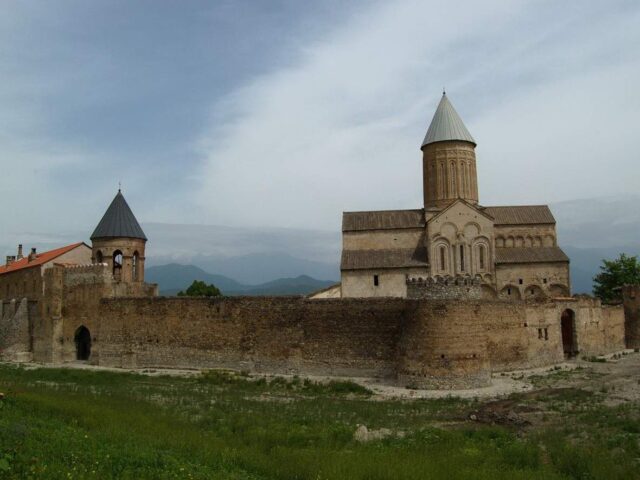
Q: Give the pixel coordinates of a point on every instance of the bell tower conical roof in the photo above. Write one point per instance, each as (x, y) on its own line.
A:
(118, 221)
(446, 125)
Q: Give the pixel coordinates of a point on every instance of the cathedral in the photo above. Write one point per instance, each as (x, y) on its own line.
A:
(508, 252)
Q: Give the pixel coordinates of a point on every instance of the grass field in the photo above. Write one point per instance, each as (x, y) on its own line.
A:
(70, 423)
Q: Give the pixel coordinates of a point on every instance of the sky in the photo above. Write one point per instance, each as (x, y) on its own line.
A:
(287, 113)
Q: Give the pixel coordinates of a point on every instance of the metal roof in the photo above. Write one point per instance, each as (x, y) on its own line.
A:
(118, 221)
(446, 125)
(521, 215)
(382, 220)
(372, 259)
(530, 255)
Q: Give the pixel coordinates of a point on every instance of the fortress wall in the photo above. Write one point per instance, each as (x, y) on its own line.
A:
(275, 334)
(48, 325)
(421, 343)
(599, 330)
(614, 328)
(506, 326)
(444, 346)
(631, 298)
(16, 329)
(83, 289)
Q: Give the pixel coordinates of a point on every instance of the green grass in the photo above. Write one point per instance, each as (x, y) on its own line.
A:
(62, 423)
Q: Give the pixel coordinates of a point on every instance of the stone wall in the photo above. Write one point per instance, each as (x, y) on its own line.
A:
(533, 280)
(414, 342)
(443, 346)
(383, 239)
(392, 282)
(437, 344)
(525, 236)
(275, 334)
(26, 282)
(631, 299)
(448, 288)
(16, 329)
(72, 301)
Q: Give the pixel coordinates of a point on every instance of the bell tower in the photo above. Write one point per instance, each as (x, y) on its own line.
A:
(119, 241)
(448, 159)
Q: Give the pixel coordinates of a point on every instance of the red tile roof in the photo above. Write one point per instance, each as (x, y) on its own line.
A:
(41, 259)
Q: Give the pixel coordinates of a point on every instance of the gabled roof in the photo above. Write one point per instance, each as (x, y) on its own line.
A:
(41, 259)
(530, 255)
(372, 259)
(446, 125)
(118, 221)
(382, 220)
(521, 215)
(481, 211)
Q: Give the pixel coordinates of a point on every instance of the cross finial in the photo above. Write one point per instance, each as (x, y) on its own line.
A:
(119, 186)
(443, 91)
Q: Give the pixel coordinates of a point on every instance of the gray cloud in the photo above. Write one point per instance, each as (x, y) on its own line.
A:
(285, 115)
(546, 89)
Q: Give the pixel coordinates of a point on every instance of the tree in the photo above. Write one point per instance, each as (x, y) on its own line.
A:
(613, 275)
(200, 289)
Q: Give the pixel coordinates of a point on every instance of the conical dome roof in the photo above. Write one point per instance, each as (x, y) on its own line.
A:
(118, 221)
(446, 125)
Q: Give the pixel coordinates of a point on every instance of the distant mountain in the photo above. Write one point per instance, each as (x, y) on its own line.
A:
(173, 277)
(300, 285)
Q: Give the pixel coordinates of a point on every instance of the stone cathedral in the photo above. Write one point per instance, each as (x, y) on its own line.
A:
(453, 247)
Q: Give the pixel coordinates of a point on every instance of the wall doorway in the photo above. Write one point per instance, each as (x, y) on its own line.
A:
(83, 343)
(568, 327)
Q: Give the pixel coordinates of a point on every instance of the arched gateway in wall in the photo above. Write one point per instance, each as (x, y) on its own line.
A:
(82, 339)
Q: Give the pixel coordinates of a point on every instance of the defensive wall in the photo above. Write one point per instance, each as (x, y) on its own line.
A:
(631, 300)
(425, 342)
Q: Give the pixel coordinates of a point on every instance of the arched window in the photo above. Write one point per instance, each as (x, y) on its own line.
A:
(481, 256)
(117, 263)
(134, 267)
(443, 258)
(454, 190)
(462, 258)
(99, 256)
(467, 178)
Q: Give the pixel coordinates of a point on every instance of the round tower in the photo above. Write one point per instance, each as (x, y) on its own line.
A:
(448, 159)
(119, 241)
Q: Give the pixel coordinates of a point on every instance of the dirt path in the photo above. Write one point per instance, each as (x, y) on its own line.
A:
(616, 376)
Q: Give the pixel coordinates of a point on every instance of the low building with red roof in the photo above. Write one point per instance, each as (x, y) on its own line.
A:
(21, 276)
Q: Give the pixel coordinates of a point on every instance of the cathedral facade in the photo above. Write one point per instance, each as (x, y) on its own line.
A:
(508, 252)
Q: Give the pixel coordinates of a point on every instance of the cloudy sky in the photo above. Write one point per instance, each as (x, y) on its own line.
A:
(286, 113)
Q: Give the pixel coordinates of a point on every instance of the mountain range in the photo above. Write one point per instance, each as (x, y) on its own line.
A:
(174, 277)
